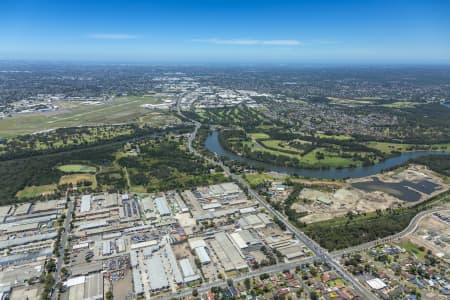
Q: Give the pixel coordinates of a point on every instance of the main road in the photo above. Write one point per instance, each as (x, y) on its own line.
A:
(318, 251)
(64, 237)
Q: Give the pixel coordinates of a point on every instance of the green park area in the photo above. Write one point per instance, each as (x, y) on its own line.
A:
(388, 148)
(30, 192)
(414, 249)
(291, 150)
(77, 168)
(165, 164)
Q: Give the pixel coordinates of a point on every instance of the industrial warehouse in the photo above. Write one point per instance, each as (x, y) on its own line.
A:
(151, 243)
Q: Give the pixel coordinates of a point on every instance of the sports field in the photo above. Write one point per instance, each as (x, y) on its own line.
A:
(77, 168)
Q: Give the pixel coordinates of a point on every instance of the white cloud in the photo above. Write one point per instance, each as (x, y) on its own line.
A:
(113, 36)
(282, 42)
(248, 42)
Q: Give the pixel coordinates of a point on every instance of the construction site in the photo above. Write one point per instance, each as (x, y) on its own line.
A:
(402, 187)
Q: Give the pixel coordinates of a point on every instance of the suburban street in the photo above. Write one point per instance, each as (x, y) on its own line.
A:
(267, 270)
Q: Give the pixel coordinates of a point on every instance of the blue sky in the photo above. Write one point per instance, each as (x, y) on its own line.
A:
(392, 31)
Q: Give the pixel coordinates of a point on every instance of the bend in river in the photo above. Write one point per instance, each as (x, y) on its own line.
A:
(213, 145)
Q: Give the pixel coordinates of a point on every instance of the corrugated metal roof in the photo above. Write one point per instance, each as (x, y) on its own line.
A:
(162, 206)
(26, 240)
(202, 255)
(85, 203)
(157, 278)
(173, 264)
(137, 282)
(75, 281)
(186, 267)
(95, 224)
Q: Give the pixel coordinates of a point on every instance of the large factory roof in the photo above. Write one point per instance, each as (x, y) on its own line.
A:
(157, 278)
(230, 250)
(137, 282)
(94, 224)
(202, 255)
(85, 203)
(173, 264)
(162, 206)
(26, 240)
(93, 287)
(196, 242)
(188, 272)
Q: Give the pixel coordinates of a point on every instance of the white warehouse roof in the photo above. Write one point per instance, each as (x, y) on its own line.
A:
(202, 255)
(162, 206)
(196, 242)
(75, 281)
(376, 284)
(157, 277)
(188, 272)
(85, 203)
(137, 282)
(186, 267)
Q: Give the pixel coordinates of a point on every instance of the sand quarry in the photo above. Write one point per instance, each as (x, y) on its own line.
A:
(323, 204)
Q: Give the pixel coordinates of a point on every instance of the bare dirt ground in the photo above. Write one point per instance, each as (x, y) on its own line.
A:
(341, 201)
(343, 198)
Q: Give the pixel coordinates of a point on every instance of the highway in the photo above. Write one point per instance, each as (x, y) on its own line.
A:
(318, 251)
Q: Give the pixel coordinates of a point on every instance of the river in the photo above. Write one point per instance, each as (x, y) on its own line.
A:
(213, 145)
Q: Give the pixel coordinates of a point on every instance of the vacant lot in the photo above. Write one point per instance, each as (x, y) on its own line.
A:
(36, 191)
(76, 178)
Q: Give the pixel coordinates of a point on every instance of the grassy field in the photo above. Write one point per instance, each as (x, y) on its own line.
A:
(36, 191)
(414, 250)
(75, 178)
(334, 137)
(257, 178)
(158, 118)
(397, 147)
(259, 135)
(77, 168)
(351, 102)
(280, 145)
(70, 114)
(331, 159)
(401, 104)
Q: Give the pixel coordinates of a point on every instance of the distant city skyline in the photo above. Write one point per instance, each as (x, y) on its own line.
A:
(227, 31)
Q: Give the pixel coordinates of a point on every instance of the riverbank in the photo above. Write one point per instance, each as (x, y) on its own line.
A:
(213, 145)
